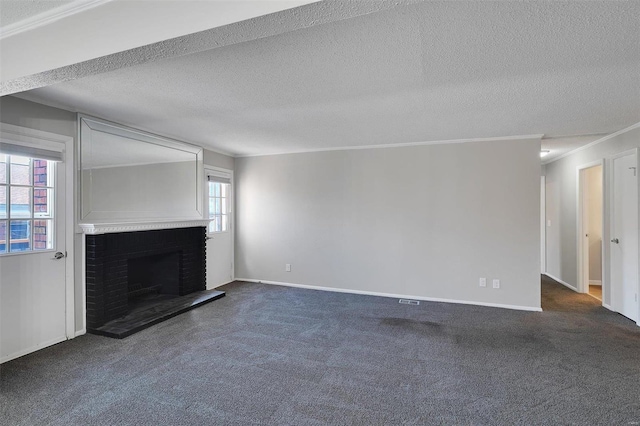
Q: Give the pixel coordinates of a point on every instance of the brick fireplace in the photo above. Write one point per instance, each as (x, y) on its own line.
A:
(125, 269)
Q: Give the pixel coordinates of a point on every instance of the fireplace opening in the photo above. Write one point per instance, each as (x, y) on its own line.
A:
(153, 277)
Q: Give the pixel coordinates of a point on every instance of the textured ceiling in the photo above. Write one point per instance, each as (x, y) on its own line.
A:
(92, 36)
(431, 71)
(13, 11)
(25, 65)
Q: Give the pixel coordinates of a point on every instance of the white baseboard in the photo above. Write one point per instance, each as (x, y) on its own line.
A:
(561, 282)
(220, 285)
(31, 349)
(595, 282)
(395, 296)
(80, 332)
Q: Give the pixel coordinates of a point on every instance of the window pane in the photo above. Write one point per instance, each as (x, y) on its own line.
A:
(224, 206)
(20, 234)
(225, 223)
(216, 189)
(212, 227)
(20, 170)
(41, 173)
(3, 236)
(225, 190)
(42, 202)
(3, 168)
(20, 202)
(27, 192)
(211, 190)
(211, 208)
(218, 206)
(218, 224)
(42, 234)
(3, 202)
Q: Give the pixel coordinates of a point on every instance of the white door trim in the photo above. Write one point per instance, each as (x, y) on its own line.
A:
(543, 224)
(609, 212)
(232, 215)
(31, 136)
(583, 276)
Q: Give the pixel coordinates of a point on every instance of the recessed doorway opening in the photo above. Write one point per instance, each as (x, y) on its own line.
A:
(590, 230)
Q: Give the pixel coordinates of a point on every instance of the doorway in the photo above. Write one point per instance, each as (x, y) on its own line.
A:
(36, 274)
(220, 235)
(543, 225)
(591, 229)
(624, 235)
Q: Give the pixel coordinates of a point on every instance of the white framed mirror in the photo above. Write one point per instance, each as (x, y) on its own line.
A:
(127, 175)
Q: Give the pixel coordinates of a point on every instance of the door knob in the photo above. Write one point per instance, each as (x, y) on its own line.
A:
(59, 255)
(615, 240)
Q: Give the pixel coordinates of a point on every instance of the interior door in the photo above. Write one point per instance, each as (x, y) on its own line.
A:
(220, 234)
(32, 250)
(624, 237)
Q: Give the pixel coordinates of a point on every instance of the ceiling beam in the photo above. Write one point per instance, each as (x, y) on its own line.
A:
(273, 24)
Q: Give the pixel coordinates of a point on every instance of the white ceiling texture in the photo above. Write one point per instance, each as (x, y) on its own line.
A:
(38, 38)
(416, 72)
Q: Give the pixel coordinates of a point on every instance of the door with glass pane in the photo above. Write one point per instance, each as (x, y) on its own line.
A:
(32, 276)
(219, 232)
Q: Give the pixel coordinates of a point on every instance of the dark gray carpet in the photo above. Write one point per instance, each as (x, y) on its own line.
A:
(276, 355)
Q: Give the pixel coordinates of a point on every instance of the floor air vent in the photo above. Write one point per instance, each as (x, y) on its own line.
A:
(409, 302)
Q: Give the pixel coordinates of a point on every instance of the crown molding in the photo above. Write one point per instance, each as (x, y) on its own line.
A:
(589, 145)
(49, 16)
(400, 145)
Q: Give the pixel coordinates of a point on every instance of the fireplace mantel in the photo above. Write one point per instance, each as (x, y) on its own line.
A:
(109, 228)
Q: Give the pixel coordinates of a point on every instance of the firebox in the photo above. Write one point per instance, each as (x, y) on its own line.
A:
(151, 276)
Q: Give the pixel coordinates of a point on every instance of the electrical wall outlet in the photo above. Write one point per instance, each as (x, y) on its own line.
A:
(287, 267)
(483, 282)
(496, 283)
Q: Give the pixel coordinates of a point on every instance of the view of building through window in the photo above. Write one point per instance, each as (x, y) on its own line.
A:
(26, 204)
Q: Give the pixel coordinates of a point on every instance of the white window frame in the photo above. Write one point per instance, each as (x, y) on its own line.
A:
(222, 173)
(32, 217)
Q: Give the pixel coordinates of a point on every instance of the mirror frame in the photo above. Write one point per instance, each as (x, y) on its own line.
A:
(87, 125)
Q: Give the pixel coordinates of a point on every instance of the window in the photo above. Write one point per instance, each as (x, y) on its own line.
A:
(219, 198)
(26, 204)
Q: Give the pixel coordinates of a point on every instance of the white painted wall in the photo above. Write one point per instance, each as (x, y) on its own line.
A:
(594, 229)
(24, 113)
(422, 221)
(561, 179)
(216, 159)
